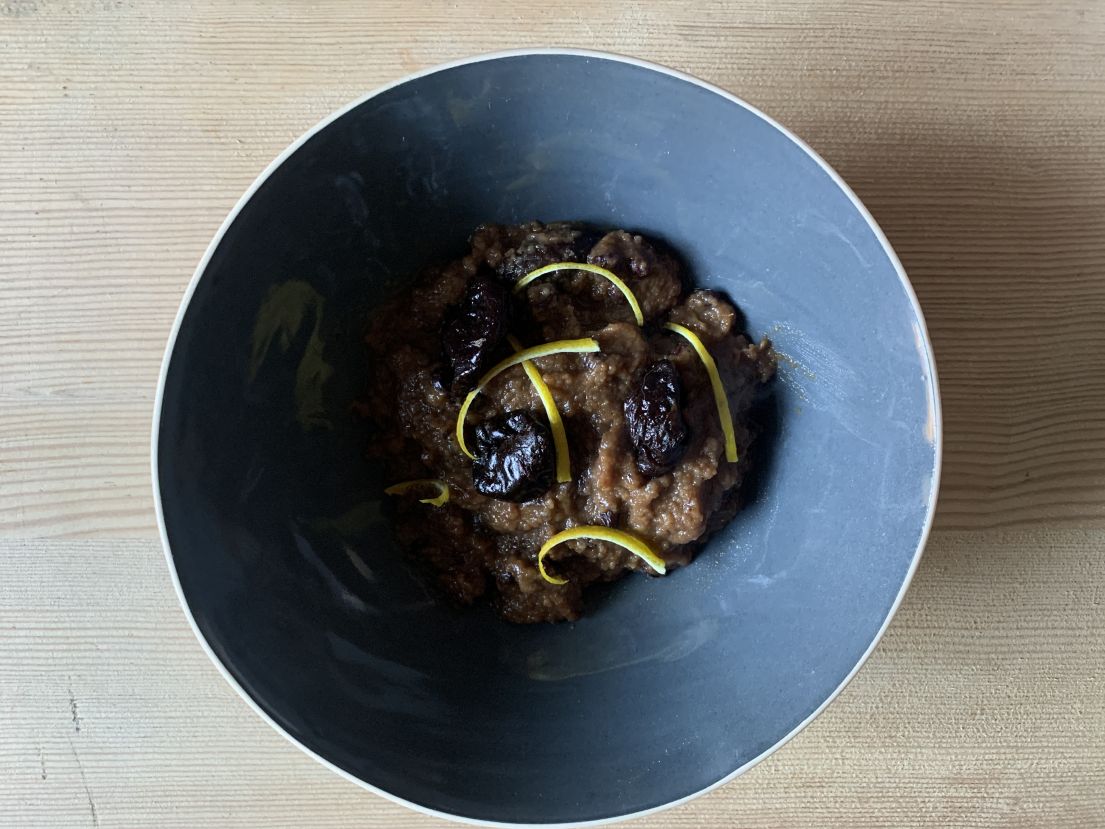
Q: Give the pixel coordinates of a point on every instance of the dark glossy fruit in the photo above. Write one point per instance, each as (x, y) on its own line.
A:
(552, 244)
(515, 459)
(470, 337)
(654, 415)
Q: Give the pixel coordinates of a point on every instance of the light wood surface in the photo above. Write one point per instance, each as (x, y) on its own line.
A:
(975, 132)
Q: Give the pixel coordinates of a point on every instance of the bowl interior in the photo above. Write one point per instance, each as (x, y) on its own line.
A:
(668, 685)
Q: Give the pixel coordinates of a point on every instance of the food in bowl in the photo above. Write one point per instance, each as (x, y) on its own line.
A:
(276, 529)
(555, 409)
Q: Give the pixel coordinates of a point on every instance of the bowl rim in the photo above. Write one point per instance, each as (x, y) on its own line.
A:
(924, 347)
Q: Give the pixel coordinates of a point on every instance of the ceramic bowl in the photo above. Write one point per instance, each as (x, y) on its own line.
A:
(271, 517)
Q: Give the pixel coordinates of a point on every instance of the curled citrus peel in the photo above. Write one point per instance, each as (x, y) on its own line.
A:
(403, 487)
(556, 425)
(583, 266)
(622, 539)
(720, 399)
(585, 345)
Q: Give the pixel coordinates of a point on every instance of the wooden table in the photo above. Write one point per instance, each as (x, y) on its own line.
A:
(973, 131)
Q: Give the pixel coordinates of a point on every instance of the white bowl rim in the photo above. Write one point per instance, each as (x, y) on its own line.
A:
(925, 345)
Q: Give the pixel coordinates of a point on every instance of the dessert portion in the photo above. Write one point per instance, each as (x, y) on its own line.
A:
(555, 409)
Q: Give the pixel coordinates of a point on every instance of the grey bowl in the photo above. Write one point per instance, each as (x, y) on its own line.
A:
(271, 519)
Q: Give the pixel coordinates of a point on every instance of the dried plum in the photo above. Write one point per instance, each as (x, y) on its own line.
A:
(654, 415)
(515, 458)
(475, 330)
(553, 243)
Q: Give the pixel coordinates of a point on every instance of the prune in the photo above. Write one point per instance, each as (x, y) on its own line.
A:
(654, 415)
(471, 335)
(551, 244)
(515, 459)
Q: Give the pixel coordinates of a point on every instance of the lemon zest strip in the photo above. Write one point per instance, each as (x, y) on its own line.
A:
(583, 266)
(404, 487)
(622, 539)
(720, 400)
(556, 424)
(585, 345)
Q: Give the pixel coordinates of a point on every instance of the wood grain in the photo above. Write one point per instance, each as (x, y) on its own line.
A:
(975, 133)
(981, 708)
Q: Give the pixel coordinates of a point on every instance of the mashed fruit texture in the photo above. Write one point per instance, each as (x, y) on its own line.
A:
(640, 415)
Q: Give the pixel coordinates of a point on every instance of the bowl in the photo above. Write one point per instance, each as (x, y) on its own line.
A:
(271, 516)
